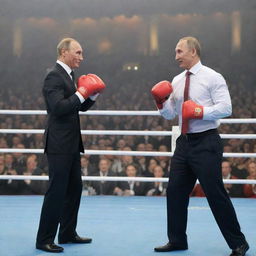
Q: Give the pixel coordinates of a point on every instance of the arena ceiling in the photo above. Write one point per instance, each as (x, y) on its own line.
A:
(111, 8)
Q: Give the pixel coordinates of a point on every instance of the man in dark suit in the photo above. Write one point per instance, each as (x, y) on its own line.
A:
(131, 188)
(63, 144)
(103, 187)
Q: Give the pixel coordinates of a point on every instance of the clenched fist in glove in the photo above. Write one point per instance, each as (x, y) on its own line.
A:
(88, 85)
(191, 110)
(161, 91)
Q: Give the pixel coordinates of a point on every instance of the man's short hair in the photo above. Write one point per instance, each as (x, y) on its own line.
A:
(64, 44)
(193, 43)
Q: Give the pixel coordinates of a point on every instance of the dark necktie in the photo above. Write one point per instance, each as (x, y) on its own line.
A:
(184, 127)
(73, 75)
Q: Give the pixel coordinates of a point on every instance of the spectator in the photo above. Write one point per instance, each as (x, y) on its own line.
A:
(20, 159)
(250, 189)
(131, 188)
(157, 188)
(234, 190)
(32, 187)
(7, 187)
(151, 165)
(164, 161)
(239, 168)
(8, 161)
(103, 187)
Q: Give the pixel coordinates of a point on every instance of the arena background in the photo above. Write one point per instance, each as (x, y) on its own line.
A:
(130, 45)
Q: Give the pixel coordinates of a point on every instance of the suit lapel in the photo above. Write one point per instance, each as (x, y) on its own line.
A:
(65, 76)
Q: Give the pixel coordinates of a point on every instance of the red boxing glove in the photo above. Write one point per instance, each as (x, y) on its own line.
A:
(191, 110)
(90, 84)
(161, 91)
(102, 85)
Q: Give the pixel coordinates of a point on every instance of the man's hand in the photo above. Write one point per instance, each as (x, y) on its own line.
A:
(89, 85)
(161, 92)
(191, 110)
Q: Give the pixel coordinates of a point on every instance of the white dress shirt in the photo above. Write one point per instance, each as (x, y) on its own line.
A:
(69, 70)
(66, 67)
(208, 89)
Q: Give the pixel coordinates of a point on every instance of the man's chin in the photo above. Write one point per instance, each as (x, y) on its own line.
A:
(77, 65)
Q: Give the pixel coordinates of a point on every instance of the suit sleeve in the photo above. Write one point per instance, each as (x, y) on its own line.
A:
(87, 104)
(54, 94)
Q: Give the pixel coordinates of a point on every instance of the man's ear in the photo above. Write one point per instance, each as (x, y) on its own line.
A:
(63, 51)
(194, 52)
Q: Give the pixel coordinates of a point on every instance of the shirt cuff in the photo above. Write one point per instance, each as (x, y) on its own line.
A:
(165, 111)
(93, 97)
(81, 98)
(207, 114)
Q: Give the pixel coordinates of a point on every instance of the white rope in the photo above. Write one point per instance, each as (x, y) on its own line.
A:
(22, 131)
(239, 155)
(89, 112)
(116, 178)
(120, 113)
(238, 121)
(124, 132)
(238, 136)
(94, 132)
(118, 153)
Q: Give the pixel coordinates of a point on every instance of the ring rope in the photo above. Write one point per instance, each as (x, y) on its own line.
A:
(113, 152)
(123, 132)
(118, 152)
(120, 113)
(89, 112)
(95, 132)
(115, 178)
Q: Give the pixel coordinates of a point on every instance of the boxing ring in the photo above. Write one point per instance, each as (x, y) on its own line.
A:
(121, 226)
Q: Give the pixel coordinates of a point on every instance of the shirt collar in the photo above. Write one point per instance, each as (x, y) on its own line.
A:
(65, 66)
(227, 177)
(196, 67)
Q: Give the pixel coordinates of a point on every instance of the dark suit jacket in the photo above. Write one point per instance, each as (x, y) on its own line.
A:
(154, 189)
(62, 133)
(139, 188)
(103, 187)
(36, 187)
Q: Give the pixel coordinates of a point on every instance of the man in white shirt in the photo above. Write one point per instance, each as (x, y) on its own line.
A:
(200, 97)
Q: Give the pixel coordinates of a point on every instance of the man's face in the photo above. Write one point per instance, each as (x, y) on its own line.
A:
(73, 56)
(130, 171)
(158, 172)
(183, 55)
(225, 168)
(103, 166)
(252, 169)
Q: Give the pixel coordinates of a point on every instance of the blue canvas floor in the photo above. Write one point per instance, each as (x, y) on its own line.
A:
(121, 226)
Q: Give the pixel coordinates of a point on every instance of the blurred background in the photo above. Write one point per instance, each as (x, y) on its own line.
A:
(130, 45)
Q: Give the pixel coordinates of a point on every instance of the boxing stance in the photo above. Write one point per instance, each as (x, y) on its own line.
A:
(63, 144)
(200, 97)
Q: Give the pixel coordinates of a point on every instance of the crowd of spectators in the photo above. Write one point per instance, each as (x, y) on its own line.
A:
(125, 91)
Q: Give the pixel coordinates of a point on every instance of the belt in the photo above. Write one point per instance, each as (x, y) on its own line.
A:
(200, 134)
